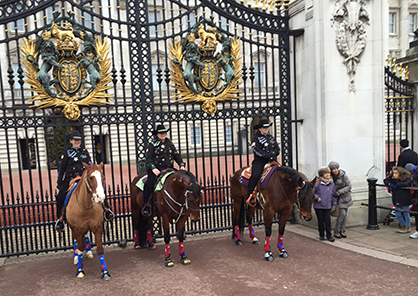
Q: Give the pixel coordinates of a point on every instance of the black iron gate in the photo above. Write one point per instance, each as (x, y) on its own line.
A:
(399, 108)
(139, 35)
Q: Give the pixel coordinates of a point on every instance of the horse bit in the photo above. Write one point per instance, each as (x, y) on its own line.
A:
(182, 206)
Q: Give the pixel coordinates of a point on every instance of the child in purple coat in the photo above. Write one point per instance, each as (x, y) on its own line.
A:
(324, 200)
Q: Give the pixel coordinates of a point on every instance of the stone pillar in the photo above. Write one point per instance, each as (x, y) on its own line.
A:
(340, 68)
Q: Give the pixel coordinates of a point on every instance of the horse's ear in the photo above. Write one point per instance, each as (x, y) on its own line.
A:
(101, 165)
(86, 165)
(201, 187)
(314, 180)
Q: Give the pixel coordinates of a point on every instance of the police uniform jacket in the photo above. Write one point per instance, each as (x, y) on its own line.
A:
(71, 163)
(265, 147)
(162, 154)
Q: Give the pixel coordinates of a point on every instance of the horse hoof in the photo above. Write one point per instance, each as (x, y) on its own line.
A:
(75, 261)
(105, 275)
(80, 273)
(255, 241)
(169, 262)
(151, 246)
(185, 260)
(283, 253)
(90, 255)
(238, 243)
(268, 256)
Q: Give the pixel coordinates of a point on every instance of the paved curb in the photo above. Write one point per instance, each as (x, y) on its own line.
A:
(298, 229)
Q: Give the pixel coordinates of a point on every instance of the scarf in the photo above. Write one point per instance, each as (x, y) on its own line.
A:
(326, 181)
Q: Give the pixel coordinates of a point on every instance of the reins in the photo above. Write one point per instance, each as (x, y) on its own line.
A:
(92, 197)
(182, 206)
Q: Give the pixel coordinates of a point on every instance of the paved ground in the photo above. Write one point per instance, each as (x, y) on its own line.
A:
(368, 262)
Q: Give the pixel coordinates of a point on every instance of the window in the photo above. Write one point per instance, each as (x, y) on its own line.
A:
(412, 22)
(49, 13)
(192, 18)
(223, 23)
(88, 18)
(392, 23)
(155, 84)
(228, 134)
(16, 86)
(153, 17)
(28, 153)
(196, 137)
(259, 73)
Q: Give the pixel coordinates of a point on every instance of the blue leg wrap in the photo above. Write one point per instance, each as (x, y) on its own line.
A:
(87, 243)
(80, 263)
(103, 265)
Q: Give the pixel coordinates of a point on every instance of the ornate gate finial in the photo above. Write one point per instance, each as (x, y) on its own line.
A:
(349, 20)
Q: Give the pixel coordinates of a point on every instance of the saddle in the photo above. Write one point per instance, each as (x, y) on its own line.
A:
(73, 182)
(268, 171)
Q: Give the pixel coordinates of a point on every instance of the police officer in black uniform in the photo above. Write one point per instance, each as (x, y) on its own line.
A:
(161, 155)
(70, 167)
(266, 149)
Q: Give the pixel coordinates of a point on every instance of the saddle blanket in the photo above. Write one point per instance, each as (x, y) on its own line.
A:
(69, 193)
(141, 182)
(263, 185)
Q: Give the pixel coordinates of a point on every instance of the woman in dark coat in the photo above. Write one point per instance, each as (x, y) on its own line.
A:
(161, 155)
(343, 194)
(401, 198)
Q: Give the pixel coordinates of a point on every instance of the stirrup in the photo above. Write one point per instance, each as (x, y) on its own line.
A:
(145, 213)
(110, 213)
(63, 223)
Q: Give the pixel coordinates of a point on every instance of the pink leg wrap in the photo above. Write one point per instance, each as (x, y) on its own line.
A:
(136, 236)
(149, 236)
(167, 251)
(181, 249)
(280, 244)
(237, 234)
(267, 244)
(252, 233)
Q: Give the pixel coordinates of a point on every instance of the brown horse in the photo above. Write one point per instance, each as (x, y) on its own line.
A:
(179, 196)
(285, 188)
(85, 213)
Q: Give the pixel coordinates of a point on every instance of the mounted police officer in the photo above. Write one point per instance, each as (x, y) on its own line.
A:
(70, 167)
(266, 149)
(161, 155)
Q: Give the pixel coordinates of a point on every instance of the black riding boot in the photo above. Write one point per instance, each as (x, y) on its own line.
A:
(60, 223)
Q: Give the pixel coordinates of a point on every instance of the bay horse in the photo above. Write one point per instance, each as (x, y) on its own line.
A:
(179, 196)
(285, 188)
(85, 213)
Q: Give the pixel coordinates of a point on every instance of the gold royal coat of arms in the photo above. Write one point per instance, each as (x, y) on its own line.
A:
(79, 77)
(202, 73)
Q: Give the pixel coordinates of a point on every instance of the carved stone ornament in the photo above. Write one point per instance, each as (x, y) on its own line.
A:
(79, 78)
(349, 20)
(199, 72)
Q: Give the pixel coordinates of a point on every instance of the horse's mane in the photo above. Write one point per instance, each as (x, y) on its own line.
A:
(290, 171)
(192, 179)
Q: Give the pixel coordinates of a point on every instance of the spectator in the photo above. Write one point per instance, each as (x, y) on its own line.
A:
(401, 198)
(343, 194)
(413, 169)
(324, 200)
(407, 154)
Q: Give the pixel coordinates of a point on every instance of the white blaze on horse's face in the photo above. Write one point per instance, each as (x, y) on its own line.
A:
(100, 193)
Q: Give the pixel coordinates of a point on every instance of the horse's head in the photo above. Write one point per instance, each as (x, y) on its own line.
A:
(193, 193)
(306, 196)
(94, 179)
